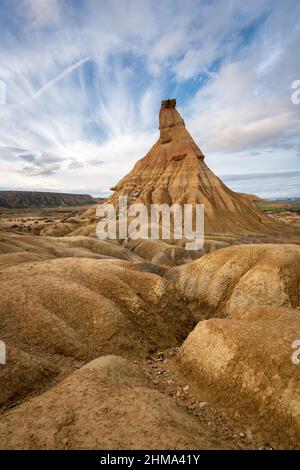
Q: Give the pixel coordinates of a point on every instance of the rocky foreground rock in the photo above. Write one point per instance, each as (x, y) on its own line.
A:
(142, 344)
(240, 276)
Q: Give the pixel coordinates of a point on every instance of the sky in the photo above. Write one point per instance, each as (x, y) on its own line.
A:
(81, 83)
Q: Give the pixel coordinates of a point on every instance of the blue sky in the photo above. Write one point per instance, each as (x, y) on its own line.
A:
(84, 80)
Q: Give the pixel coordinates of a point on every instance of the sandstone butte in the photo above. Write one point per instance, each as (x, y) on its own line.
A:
(174, 171)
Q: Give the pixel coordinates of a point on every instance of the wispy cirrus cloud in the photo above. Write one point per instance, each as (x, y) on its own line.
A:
(42, 13)
(85, 79)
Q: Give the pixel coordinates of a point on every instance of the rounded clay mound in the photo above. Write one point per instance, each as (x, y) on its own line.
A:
(108, 404)
(83, 308)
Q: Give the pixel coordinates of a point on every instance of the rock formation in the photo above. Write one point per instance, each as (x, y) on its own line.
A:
(244, 367)
(31, 199)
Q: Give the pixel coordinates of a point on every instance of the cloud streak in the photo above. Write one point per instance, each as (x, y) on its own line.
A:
(57, 79)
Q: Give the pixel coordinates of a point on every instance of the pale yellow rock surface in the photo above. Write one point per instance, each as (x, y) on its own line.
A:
(245, 368)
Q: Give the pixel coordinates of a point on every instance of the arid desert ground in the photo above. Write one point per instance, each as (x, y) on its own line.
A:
(142, 344)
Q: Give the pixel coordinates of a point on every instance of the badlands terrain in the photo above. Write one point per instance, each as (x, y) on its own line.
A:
(141, 344)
